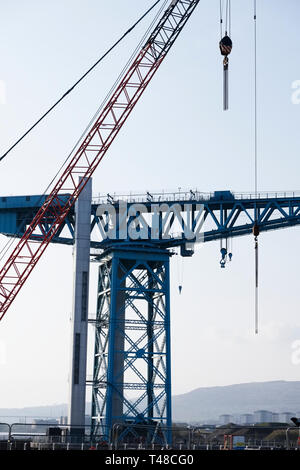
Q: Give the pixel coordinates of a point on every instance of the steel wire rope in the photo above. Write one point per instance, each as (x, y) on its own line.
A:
(227, 15)
(80, 79)
(255, 228)
(255, 102)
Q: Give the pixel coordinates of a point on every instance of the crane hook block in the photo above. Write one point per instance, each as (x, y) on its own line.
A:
(255, 230)
(223, 260)
(225, 45)
(223, 252)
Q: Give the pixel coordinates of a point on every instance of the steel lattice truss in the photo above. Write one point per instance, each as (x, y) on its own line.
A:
(131, 382)
(220, 215)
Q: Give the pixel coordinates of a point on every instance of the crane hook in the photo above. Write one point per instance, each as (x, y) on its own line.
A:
(225, 46)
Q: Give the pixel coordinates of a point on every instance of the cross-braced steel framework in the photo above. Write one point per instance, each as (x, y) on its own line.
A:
(132, 378)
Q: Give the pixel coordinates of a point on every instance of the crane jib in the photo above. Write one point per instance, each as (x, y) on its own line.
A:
(90, 152)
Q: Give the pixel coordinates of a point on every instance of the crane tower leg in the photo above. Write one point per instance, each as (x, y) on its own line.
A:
(132, 377)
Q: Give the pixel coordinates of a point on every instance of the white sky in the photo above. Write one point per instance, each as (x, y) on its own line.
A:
(178, 136)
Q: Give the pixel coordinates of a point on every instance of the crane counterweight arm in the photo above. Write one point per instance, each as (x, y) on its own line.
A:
(85, 160)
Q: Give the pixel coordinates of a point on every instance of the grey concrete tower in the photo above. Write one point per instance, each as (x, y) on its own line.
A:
(79, 327)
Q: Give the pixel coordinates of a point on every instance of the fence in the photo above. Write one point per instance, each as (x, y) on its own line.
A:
(132, 436)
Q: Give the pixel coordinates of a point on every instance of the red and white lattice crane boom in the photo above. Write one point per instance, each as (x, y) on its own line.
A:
(90, 152)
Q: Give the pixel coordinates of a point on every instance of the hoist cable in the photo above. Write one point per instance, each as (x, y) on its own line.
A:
(255, 229)
(255, 101)
(256, 287)
(221, 19)
(80, 80)
(226, 17)
(229, 19)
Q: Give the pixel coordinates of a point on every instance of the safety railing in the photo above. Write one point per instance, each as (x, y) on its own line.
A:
(191, 195)
(131, 436)
(42, 436)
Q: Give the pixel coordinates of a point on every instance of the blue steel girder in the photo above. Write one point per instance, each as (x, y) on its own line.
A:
(135, 286)
(164, 222)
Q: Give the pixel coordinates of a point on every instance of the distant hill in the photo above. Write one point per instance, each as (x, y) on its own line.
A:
(47, 411)
(211, 402)
(206, 403)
